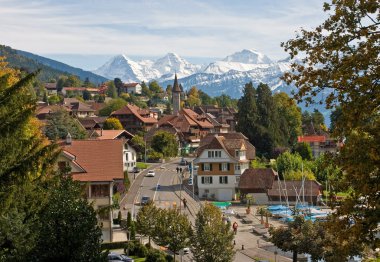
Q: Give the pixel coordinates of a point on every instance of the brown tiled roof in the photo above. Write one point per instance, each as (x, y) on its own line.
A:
(102, 159)
(257, 179)
(231, 142)
(131, 85)
(133, 109)
(309, 186)
(112, 134)
(51, 86)
(202, 122)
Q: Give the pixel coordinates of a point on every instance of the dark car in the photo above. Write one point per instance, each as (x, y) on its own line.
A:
(114, 257)
(145, 200)
(136, 170)
(183, 162)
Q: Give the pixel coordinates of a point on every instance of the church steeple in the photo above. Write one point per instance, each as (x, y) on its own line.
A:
(176, 93)
(176, 87)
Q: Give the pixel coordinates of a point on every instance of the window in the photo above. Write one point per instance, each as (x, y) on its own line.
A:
(223, 180)
(206, 180)
(207, 167)
(133, 156)
(100, 191)
(237, 167)
(62, 165)
(214, 154)
(126, 157)
(224, 166)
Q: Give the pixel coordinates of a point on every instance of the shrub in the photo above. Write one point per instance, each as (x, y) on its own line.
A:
(155, 255)
(113, 245)
(130, 248)
(141, 250)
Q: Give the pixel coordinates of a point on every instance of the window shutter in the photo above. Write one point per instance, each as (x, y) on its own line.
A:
(203, 180)
(226, 179)
(203, 169)
(220, 180)
(210, 166)
(220, 167)
(211, 180)
(228, 166)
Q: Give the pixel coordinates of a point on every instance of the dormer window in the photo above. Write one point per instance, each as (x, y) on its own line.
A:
(214, 154)
(239, 153)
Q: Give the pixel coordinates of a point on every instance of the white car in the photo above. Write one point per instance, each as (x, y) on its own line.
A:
(150, 173)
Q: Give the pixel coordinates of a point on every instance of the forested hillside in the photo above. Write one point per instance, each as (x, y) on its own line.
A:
(49, 68)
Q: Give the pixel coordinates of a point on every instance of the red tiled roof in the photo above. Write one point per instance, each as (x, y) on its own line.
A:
(102, 159)
(111, 134)
(309, 139)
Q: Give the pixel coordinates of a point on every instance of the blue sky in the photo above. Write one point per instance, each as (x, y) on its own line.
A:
(190, 28)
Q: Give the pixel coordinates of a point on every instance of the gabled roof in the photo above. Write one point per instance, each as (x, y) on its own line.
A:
(51, 86)
(257, 179)
(130, 85)
(113, 134)
(102, 160)
(230, 142)
(136, 111)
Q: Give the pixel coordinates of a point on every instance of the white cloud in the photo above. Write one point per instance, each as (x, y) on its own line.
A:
(189, 28)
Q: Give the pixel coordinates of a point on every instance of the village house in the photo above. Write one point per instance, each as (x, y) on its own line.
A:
(221, 160)
(78, 108)
(192, 126)
(51, 88)
(132, 88)
(99, 165)
(79, 90)
(223, 118)
(130, 153)
(266, 188)
(320, 144)
(135, 119)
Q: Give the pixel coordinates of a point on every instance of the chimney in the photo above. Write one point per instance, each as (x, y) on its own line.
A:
(68, 139)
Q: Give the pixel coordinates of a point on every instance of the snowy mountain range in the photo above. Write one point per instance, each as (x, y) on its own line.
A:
(226, 76)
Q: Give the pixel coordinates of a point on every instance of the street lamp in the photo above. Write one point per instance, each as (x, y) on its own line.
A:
(275, 256)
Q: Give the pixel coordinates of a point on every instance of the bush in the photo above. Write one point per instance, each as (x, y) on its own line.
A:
(140, 250)
(130, 248)
(155, 255)
(169, 258)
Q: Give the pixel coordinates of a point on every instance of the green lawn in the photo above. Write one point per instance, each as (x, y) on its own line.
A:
(142, 165)
(138, 259)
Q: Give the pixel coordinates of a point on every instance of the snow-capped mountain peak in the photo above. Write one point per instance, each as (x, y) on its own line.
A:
(248, 56)
(171, 63)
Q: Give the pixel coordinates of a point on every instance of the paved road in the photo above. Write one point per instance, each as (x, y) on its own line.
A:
(171, 192)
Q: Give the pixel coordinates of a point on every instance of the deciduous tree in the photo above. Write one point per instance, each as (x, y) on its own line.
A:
(112, 123)
(165, 143)
(212, 238)
(341, 56)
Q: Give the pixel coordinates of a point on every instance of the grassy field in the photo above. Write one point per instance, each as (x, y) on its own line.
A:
(138, 259)
(142, 165)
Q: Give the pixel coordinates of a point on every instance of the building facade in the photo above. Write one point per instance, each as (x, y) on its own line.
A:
(221, 160)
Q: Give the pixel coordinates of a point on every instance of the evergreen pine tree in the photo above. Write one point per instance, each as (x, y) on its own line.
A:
(247, 113)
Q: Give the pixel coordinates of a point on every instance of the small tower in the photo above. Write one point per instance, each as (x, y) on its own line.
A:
(69, 139)
(176, 93)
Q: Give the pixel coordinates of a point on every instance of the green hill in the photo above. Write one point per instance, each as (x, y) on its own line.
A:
(49, 68)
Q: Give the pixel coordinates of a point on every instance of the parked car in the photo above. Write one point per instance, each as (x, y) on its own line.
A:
(145, 200)
(114, 257)
(151, 173)
(136, 170)
(190, 182)
(183, 162)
